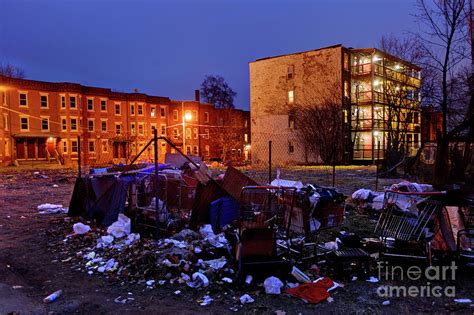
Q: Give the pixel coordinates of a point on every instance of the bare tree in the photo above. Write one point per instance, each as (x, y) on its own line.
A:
(443, 39)
(12, 71)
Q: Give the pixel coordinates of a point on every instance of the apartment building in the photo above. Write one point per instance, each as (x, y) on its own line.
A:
(378, 95)
(41, 121)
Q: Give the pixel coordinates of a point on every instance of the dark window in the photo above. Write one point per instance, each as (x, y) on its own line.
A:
(103, 105)
(44, 124)
(117, 109)
(291, 147)
(91, 146)
(63, 101)
(291, 72)
(132, 109)
(90, 125)
(74, 146)
(90, 104)
(162, 112)
(72, 101)
(73, 124)
(64, 124)
(175, 114)
(104, 125)
(44, 101)
(140, 110)
(23, 101)
(416, 118)
(24, 123)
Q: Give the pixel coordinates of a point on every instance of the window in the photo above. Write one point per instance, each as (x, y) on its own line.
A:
(207, 150)
(64, 124)
(416, 117)
(141, 129)
(206, 116)
(117, 109)
(291, 147)
(246, 137)
(140, 109)
(24, 123)
(239, 153)
(91, 146)
(63, 101)
(74, 147)
(23, 99)
(195, 115)
(162, 112)
(65, 146)
(5, 121)
(346, 61)
(153, 127)
(153, 111)
(73, 124)
(195, 150)
(206, 133)
(188, 133)
(132, 128)
(90, 125)
(163, 130)
(290, 73)
(175, 114)
(44, 124)
(118, 129)
(103, 125)
(188, 150)
(245, 123)
(175, 133)
(103, 105)
(90, 104)
(346, 88)
(291, 121)
(105, 146)
(132, 109)
(195, 133)
(291, 97)
(44, 101)
(72, 101)
(233, 152)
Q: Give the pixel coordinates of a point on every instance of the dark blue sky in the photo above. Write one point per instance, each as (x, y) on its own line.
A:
(167, 47)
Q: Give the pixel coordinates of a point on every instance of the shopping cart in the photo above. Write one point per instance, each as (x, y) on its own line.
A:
(265, 217)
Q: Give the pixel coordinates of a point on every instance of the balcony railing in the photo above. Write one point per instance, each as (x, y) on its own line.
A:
(380, 70)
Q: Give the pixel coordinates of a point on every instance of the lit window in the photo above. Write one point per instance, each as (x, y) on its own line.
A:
(44, 101)
(246, 138)
(291, 97)
(153, 111)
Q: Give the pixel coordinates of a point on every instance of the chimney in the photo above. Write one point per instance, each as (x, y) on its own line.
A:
(197, 95)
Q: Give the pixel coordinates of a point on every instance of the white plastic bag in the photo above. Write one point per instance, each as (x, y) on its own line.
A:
(272, 285)
(121, 227)
(81, 228)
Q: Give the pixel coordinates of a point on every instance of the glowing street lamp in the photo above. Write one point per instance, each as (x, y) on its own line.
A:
(186, 117)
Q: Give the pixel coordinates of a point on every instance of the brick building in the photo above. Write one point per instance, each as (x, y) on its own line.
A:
(378, 94)
(42, 120)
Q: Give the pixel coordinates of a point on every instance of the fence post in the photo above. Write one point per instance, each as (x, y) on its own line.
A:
(78, 156)
(334, 170)
(269, 162)
(157, 203)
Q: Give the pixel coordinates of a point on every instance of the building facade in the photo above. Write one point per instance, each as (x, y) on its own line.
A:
(378, 95)
(41, 121)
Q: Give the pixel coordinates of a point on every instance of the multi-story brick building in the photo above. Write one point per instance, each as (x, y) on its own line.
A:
(378, 94)
(42, 121)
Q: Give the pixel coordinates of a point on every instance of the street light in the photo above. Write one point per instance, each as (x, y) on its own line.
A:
(186, 117)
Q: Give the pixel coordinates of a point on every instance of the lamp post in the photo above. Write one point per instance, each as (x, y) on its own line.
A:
(186, 117)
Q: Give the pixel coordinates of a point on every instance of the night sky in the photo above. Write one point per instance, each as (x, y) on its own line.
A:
(167, 47)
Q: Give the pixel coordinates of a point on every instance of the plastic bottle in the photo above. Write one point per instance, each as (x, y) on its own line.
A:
(52, 297)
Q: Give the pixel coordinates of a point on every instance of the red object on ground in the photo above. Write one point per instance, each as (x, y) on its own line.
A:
(313, 292)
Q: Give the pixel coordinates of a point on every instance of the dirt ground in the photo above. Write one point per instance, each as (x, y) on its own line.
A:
(31, 268)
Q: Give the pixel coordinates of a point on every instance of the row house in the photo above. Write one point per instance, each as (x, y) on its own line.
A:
(43, 121)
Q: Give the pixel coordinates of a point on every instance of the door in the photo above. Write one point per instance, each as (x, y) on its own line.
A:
(31, 148)
(42, 148)
(20, 149)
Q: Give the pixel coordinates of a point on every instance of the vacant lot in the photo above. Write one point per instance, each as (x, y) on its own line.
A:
(31, 266)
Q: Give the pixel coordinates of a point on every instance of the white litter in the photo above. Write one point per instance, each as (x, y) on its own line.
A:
(372, 279)
(121, 227)
(216, 264)
(272, 285)
(199, 280)
(228, 280)
(463, 301)
(206, 300)
(246, 299)
(385, 303)
(81, 228)
(48, 208)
